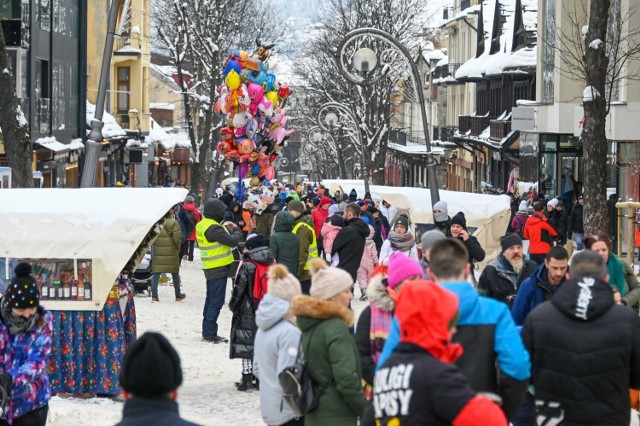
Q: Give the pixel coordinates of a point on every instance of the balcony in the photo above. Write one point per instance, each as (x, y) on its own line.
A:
(500, 129)
(478, 124)
(464, 123)
(127, 45)
(444, 133)
(445, 74)
(122, 118)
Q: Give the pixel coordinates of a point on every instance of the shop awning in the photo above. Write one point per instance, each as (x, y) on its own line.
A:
(52, 144)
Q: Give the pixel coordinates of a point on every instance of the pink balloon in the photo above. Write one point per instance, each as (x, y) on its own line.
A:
(270, 173)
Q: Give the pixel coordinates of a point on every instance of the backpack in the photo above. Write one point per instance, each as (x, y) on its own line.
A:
(260, 282)
(190, 223)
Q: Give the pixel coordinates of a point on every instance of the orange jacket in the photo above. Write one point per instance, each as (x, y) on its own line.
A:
(637, 236)
(533, 232)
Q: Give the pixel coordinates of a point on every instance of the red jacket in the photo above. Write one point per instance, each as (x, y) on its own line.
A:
(533, 232)
(320, 215)
(191, 207)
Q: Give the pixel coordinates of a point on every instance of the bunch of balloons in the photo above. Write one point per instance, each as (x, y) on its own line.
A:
(252, 102)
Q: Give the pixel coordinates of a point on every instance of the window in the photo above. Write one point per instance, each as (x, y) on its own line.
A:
(59, 17)
(124, 85)
(59, 100)
(10, 9)
(42, 87)
(44, 14)
(613, 47)
(548, 50)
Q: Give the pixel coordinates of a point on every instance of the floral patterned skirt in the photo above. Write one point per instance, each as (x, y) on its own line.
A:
(88, 347)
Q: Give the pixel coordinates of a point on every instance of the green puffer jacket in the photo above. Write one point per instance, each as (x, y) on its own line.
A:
(331, 359)
(283, 243)
(166, 249)
(305, 237)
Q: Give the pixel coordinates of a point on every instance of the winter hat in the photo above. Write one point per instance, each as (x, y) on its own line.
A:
(459, 219)
(442, 206)
(282, 284)
(324, 201)
(553, 202)
(151, 367)
(295, 206)
(353, 194)
(360, 203)
(510, 240)
(401, 267)
(523, 206)
(337, 220)
(580, 197)
(22, 291)
(189, 199)
(333, 209)
(366, 219)
(315, 201)
(255, 241)
(327, 282)
(429, 238)
(402, 220)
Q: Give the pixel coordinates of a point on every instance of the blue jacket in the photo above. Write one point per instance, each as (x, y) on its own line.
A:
(488, 334)
(532, 292)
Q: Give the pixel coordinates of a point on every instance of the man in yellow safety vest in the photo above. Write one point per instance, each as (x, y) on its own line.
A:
(303, 228)
(216, 243)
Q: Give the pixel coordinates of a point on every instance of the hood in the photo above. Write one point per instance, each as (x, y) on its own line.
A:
(359, 225)
(377, 294)
(214, 209)
(535, 218)
(284, 222)
(261, 254)
(541, 274)
(467, 297)
(190, 207)
(271, 311)
(585, 299)
(234, 204)
(424, 311)
(311, 311)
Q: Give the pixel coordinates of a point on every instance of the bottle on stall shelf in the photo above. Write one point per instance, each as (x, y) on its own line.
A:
(44, 289)
(87, 288)
(74, 289)
(81, 287)
(66, 287)
(55, 291)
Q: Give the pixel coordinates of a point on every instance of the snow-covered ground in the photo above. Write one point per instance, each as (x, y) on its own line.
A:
(208, 395)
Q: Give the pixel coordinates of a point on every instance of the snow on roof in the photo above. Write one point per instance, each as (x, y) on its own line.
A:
(415, 149)
(128, 49)
(522, 58)
(52, 144)
(162, 105)
(157, 134)
(76, 144)
(111, 129)
(433, 55)
(463, 14)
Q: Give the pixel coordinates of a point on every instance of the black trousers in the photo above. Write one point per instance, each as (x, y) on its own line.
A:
(305, 286)
(32, 418)
(187, 249)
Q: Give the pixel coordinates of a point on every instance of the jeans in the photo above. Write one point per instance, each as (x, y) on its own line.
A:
(577, 237)
(216, 290)
(175, 277)
(32, 418)
(186, 248)
(527, 412)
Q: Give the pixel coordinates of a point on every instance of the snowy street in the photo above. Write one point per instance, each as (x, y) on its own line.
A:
(208, 395)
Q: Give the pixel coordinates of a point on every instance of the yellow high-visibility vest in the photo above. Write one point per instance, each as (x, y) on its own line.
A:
(313, 247)
(213, 254)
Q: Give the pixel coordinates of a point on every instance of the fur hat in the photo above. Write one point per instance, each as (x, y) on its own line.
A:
(295, 206)
(429, 238)
(151, 367)
(22, 291)
(401, 267)
(327, 282)
(442, 206)
(282, 284)
(459, 219)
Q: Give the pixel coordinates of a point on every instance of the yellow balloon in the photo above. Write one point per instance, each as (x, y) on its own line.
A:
(272, 97)
(233, 80)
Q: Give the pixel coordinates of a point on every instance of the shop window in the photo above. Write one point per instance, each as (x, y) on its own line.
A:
(124, 85)
(549, 142)
(9, 9)
(548, 50)
(59, 17)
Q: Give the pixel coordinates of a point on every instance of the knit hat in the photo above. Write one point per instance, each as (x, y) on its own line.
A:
(401, 267)
(353, 194)
(459, 219)
(151, 367)
(360, 203)
(282, 284)
(523, 206)
(327, 282)
(442, 206)
(324, 200)
(429, 238)
(403, 221)
(553, 202)
(189, 199)
(22, 291)
(295, 206)
(255, 241)
(510, 240)
(333, 209)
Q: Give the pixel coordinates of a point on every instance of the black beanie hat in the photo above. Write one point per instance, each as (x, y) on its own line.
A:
(255, 241)
(22, 291)
(402, 220)
(510, 240)
(151, 367)
(459, 219)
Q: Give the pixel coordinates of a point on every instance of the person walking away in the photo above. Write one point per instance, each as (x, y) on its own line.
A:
(503, 275)
(26, 332)
(330, 354)
(519, 220)
(264, 221)
(494, 361)
(165, 256)
(308, 245)
(539, 233)
(284, 244)
(540, 287)
(188, 216)
(368, 262)
(330, 230)
(276, 345)
(350, 241)
(248, 289)
(150, 376)
(419, 384)
(427, 241)
(399, 240)
(215, 242)
(375, 319)
(319, 216)
(381, 227)
(388, 211)
(576, 223)
(583, 328)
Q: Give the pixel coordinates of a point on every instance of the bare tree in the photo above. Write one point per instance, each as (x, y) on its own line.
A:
(14, 128)
(599, 55)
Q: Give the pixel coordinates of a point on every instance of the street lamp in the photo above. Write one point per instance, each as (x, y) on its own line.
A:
(365, 67)
(327, 120)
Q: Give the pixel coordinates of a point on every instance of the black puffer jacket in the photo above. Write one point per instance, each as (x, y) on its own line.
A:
(499, 281)
(284, 244)
(243, 323)
(586, 355)
(576, 222)
(349, 244)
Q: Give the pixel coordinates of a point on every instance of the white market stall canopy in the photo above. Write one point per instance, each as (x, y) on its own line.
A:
(99, 227)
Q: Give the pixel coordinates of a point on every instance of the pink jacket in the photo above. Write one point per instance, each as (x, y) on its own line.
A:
(329, 233)
(368, 262)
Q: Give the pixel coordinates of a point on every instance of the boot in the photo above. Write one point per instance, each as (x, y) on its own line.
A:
(246, 384)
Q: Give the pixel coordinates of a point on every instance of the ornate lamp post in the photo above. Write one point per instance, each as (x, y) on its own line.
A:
(361, 65)
(313, 145)
(327, 120)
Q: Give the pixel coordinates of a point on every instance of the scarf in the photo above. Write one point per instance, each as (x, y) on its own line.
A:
(379, 330)
(16, 324)
(616, 274)
(402, 242)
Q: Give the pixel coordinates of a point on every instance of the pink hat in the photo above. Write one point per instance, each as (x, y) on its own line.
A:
(401, 267)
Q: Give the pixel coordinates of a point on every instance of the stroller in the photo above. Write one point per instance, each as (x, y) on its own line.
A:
(142, 276)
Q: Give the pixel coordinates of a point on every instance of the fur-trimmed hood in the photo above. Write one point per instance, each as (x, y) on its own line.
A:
(378, 295)
(318, 310)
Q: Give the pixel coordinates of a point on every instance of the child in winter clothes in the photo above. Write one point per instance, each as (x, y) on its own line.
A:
(368, 262)
(243, 304)
(517, 224)
(330, 230)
